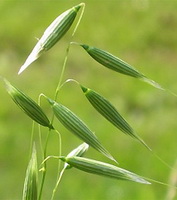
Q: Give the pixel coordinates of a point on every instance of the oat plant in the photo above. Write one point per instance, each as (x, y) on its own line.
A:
(33, 186)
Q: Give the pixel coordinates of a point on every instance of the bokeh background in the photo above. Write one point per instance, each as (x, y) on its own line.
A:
(141, 32)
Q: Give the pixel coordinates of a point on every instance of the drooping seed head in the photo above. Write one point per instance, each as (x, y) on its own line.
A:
(52, 35)
(103, 169)
(112, 62)
(107, 110)
(58, 28)
(30, 107)
(76, 126)
(116, 64)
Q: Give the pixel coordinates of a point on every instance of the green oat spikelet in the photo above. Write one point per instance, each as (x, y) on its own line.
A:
(76, 126)
(30, 190)
(103, 169)
(52, 35)
(107, 110)
(30, 107)
(116, 64)
(79, 151)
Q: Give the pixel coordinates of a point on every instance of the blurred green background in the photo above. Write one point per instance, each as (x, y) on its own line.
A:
(141, 32)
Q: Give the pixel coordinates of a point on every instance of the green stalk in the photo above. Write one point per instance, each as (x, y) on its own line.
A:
(44, 152)
(56, 96)
(31, 139)
(59, 166)
(67, 53)
(57, 183)
(44, 167)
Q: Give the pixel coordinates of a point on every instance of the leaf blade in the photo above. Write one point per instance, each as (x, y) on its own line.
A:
(30, 190)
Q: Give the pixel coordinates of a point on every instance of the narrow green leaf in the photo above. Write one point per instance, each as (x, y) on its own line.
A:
(30, 107)
(75, 125)
(30, 190)
(103, 169)
(116, 64)
(106, 109)
(52, 35)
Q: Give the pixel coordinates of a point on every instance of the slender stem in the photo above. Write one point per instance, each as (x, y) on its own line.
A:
(79, 20)
(67, 52)
(62, 73)
(59, 166)
(40, 142)
(57, 183)
(43, 151)
(44, 166)
(56, 96)
(59, 176)
(31, 140)
(59, 150)
(39, 129)
(49, 157)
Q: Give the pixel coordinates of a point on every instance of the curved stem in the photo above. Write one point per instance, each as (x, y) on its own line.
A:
(40, 135)
(67, 52)
(56, 96)
(58, 181)
(59, 165)
(62, 73)
(59, 150)
(79, 20)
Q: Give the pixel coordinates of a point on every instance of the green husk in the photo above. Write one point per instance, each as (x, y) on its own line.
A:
(116, 64)
(103, 169)
(30, 190)
(30, 107)
(79, 151)
(75, 125)
(52, 35)
(107, 110)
